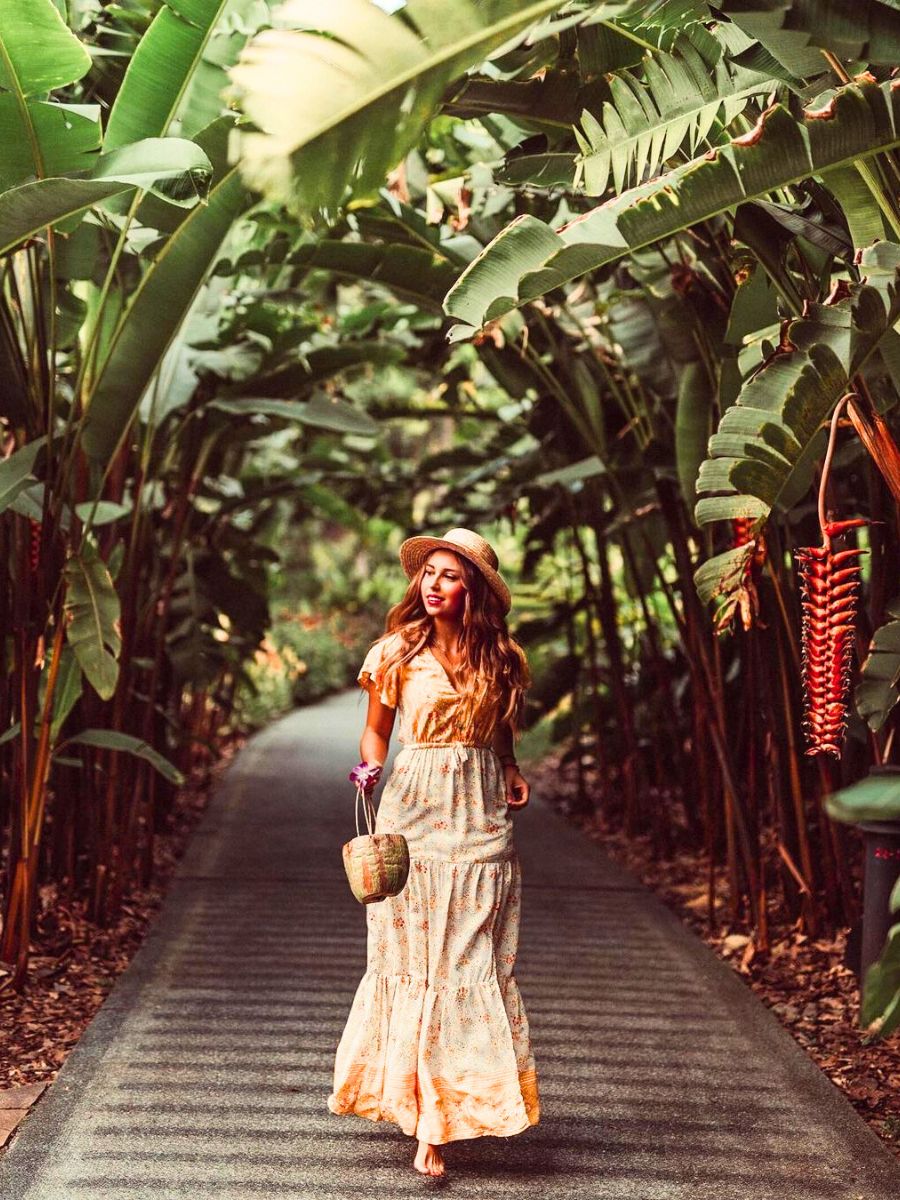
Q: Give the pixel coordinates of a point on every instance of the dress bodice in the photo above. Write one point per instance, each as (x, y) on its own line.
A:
(428, 705)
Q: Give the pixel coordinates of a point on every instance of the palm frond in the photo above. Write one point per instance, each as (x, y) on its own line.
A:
(647, 121)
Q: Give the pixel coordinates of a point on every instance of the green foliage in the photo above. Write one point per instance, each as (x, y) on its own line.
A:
(301, 661)
(646, 122)
(693, 420)
(875, 798)
(249, 393)
(880, 1009)
(528, 258)
(16, 470)
(762, 454)
(111, 739)
(794, 31)
(161, 70)
(176, 170)
(339, 96)
(92, 613)
(878, 689)
(38, 53)
(155, 312)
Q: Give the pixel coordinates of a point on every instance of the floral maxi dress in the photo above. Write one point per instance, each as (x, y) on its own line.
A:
(437, 1037)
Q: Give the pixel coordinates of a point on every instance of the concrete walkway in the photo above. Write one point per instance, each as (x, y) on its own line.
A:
(206, 1070)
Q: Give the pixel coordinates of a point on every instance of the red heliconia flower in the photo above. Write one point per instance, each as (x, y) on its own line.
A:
(830, 582)
(740, 527)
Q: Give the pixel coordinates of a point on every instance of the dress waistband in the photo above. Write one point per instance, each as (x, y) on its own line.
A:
(418, 745)
(460, 749)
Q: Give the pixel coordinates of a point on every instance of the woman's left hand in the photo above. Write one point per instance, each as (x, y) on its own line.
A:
(517, 789)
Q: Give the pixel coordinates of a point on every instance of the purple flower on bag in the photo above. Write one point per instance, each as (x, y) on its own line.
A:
(365, 775)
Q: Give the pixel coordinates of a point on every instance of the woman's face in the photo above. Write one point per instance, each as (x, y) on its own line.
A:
(443, 579)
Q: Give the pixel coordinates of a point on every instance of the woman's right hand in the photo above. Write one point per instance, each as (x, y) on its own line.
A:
(366, 775)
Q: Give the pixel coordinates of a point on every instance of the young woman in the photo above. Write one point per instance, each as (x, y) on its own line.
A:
(437, 1039)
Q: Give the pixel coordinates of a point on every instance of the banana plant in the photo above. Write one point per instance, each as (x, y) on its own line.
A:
(876, 798)
(529, 258)
(338, 96)
(796, 32)
(880, 1009)
(647, 120)
(762, 454)
(878, 689)
(80, 210)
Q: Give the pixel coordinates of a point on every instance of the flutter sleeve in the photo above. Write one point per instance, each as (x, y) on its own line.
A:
(371, 674)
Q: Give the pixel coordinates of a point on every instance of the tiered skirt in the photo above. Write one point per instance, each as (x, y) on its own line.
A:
(437, 1037)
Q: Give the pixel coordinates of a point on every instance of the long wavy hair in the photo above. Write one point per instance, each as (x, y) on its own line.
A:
(493, 665)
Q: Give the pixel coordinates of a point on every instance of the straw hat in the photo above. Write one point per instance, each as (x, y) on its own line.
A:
(415, 550)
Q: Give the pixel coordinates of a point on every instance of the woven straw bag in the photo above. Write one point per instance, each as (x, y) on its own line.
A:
(377, 864)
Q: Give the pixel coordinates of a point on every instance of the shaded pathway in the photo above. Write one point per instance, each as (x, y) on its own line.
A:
(206, 1070)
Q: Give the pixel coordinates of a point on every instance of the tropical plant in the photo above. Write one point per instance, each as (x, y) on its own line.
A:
(131, 569)
(876, 799)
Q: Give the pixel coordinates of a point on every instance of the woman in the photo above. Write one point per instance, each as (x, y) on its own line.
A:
(437, 1038)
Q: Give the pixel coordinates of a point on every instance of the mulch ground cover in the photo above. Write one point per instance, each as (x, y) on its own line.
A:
(803, 981)
(74, 963)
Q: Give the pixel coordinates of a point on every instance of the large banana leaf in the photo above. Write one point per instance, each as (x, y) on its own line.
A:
(26, 210)
(115, 739)
(879, 678)
(408, 271)
(176, 169)
(766, 435)
(326, 412)
(693, 417)
(38, 52)
(160, 303)
(528, 258)
(876, 797)
(645, 123)
(160, 70)
(339, 92)
(173, 168)
(92, 615)
(39, 138)
(864, 217)
(794, 30)
(15, 470)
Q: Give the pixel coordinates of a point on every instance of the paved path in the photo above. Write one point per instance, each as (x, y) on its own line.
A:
(206, 1070)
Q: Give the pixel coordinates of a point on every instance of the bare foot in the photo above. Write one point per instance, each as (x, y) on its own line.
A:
(429, 1160)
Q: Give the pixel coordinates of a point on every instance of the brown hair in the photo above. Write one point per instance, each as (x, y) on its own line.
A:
(493, 663)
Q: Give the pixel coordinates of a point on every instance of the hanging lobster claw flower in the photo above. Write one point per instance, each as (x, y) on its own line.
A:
(830, 583)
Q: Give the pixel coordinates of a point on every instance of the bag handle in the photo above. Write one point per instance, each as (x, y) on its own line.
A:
(368, 810)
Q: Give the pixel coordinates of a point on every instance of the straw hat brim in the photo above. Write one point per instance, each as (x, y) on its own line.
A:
(415, 550)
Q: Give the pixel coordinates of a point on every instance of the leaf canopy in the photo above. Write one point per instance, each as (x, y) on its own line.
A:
(338, 93)
(529, 258)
